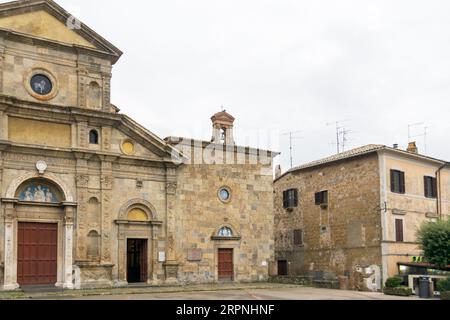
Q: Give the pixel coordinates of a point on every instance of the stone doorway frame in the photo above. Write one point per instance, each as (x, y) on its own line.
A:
(140, 230)
(65, 229)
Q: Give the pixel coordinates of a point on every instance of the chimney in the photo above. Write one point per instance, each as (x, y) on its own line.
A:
(395, 146)
(277, 171)
(412, 147)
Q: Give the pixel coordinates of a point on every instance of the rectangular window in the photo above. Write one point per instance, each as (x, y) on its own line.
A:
(298, 237)
(398, 181)
(290, 198)
(430, 184)
(399, 230)
(321, 198)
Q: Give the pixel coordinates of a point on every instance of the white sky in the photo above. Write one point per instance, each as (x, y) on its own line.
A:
(281, 66)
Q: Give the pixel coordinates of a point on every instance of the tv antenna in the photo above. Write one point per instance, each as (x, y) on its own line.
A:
(410, 126)
(340, 130)
(291, 138)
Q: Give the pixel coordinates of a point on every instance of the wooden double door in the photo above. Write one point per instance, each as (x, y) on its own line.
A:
(225, 264)
(37, 254)
(137, 266)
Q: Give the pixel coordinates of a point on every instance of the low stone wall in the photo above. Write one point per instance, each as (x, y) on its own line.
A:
(300, 280)
(327, 284)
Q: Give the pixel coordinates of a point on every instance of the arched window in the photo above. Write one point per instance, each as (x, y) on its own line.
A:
(93, 137)
(225, 232)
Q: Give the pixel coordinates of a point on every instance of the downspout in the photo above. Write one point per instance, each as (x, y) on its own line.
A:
(439, 194)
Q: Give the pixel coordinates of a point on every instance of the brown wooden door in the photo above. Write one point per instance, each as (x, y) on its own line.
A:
(137, 261)
(282, 268)
(225, 263)
(37, 254)
(143, 263)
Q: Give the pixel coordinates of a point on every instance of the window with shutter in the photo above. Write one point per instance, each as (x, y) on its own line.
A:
(290, 198)
(321, 198)
(430, 184)
(298, 237)
(399, 230)
(398, 181)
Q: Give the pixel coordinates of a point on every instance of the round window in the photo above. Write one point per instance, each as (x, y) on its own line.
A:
(224, 194)
(128, 147)
(41, 84)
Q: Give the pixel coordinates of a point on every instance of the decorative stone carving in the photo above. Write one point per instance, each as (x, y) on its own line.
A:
(171, 188)
(106, 182)
(82, 181)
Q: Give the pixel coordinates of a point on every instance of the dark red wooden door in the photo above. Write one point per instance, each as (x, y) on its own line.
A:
(37, 254)
(225, 263)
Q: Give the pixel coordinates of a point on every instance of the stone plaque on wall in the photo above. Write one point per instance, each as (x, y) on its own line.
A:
(194, 255)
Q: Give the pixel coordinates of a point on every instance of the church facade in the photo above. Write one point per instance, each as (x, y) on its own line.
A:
(91, 198)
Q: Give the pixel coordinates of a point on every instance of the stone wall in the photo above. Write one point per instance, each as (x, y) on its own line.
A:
(336, 239)
(200, 214)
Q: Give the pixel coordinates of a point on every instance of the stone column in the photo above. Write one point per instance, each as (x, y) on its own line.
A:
(171, 264)
(121, 257)
(10, 270)
(68, 246)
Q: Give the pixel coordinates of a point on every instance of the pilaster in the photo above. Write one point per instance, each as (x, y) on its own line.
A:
(10, 274)
(171, 264)
(106, 222)
(82, 180)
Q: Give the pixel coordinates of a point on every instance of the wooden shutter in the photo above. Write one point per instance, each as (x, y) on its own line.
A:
(402, 182)
(434, 187)
(295, 198)
(325, 197)
(426, 186)
(393, 181)
(285, 203)
(318, 198)
(399, 230)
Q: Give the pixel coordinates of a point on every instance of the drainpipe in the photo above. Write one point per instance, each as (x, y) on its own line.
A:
(439, 195)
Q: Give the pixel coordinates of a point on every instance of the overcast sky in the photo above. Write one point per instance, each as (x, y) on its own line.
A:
(280, 66)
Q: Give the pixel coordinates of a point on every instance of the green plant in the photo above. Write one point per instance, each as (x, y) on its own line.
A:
(434, 239)
(393, 282)
(444, 285)
(398, 291)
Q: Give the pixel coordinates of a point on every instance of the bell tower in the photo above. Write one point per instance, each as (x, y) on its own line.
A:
(223, 128)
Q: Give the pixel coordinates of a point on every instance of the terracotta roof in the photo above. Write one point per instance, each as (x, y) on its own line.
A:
(223, 115)
(358, 152)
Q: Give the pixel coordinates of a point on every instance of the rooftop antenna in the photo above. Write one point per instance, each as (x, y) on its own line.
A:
(344, 133)
(291, 138)
(339, 128)
(410, 126)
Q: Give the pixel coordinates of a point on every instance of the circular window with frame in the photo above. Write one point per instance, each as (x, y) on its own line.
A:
(128, 147)
(224, 194)
(41, 84)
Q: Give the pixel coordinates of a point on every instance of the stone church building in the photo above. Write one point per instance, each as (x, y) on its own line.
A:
(91, 198)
